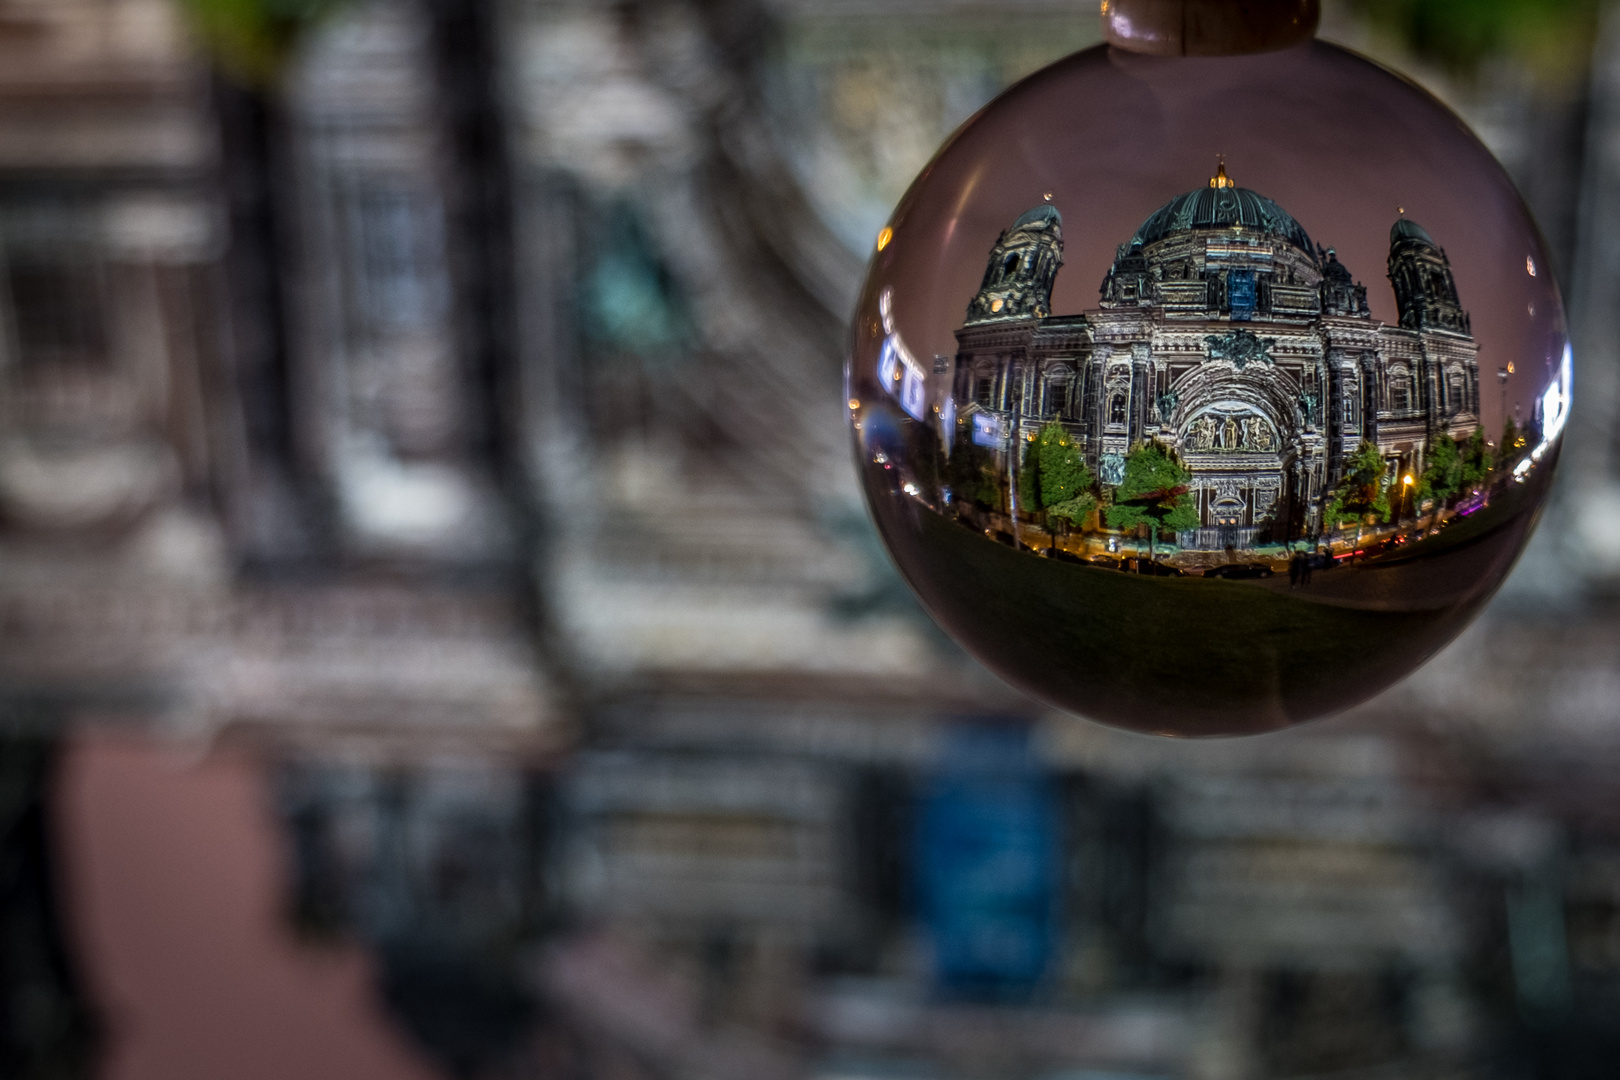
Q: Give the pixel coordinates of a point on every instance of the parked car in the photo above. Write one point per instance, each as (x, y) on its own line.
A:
(1240, 571)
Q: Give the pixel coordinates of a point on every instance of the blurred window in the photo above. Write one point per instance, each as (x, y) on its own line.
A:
(985, 864)
(396, 258)
(632, 303)
(58, 311)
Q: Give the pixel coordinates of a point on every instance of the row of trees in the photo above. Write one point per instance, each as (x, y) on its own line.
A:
(1451, 468)
(1056, 481)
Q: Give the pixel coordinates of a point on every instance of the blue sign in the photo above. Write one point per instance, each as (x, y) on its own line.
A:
(987, 864)
(1240, 293)
(986, 430)
(914, 394)
(889, 365)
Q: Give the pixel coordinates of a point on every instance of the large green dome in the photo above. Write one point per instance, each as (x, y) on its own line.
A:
(1219, 208)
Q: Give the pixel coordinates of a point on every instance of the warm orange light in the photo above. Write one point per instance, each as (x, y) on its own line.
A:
(854, 403)
(884, 237)
(1407, 480)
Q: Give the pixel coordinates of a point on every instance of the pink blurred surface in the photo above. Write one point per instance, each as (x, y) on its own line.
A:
(172, 870)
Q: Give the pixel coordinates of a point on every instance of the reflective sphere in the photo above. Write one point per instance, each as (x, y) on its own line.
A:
(1205, 396)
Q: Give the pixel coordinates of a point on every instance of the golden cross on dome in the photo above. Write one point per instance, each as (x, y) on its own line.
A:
(1220, 179)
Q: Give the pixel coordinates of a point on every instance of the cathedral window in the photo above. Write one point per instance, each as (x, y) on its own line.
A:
(984, 389)
(1116, 409)
(1400, 392)
(1010, 267)
(1056, 400)
(1241, 293)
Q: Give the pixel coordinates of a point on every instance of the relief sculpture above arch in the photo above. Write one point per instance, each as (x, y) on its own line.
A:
(1238, 431)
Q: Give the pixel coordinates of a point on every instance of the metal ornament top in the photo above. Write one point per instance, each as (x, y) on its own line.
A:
(1209, 27)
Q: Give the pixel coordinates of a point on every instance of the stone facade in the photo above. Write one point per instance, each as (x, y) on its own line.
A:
(1224, 332)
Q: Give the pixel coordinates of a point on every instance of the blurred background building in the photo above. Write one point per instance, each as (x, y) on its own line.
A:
(440, 636)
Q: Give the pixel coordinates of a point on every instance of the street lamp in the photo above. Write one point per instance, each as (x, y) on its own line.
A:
(1502, 374)
(1406, 489)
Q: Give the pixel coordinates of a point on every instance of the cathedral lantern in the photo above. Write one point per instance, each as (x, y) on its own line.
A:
(1182, 463)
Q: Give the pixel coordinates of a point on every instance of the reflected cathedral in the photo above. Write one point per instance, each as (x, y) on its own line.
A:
(1224, 333)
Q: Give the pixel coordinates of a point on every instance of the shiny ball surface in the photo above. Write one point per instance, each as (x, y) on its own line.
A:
(1205, 396)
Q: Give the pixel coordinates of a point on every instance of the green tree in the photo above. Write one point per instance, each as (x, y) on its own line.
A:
(1476, 460)
(1154, 492)
(971, 472)
(927, 457)
(1511, 447)
(253, 39)
(1363, 490)
(1065, 482)
(1442, 470)
(1551, 37)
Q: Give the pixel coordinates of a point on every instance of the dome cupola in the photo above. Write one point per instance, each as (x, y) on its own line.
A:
(1222, 205)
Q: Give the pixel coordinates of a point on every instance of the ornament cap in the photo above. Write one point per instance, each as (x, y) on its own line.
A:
(1209, 27)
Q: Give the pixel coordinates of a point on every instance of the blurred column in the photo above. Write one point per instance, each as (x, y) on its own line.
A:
(1592, 469)
(397, 316)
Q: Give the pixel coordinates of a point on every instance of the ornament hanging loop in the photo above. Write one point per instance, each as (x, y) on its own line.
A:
(1209, 27)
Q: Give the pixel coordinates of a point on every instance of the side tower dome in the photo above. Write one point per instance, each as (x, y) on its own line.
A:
(1425, 291)
(1023, 265)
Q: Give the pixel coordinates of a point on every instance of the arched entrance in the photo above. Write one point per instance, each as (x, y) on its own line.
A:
(1226, 515)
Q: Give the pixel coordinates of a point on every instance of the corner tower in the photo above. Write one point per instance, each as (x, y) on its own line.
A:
(1425, 291)
(1341, 295)
(1023, 265)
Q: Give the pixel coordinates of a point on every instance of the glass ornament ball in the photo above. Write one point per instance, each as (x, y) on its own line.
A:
(1208, 395)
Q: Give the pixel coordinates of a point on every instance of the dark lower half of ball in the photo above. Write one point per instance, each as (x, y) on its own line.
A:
(1129, 644)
